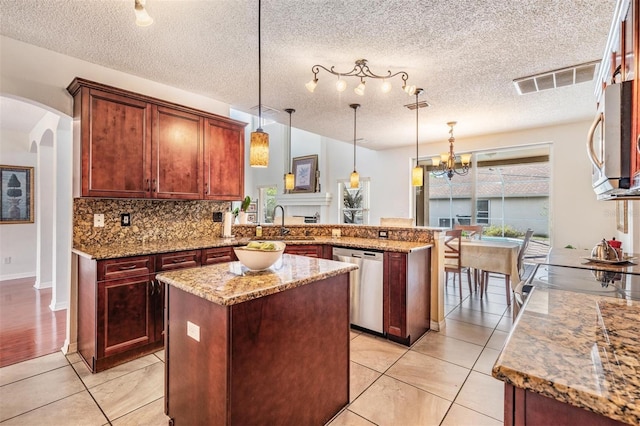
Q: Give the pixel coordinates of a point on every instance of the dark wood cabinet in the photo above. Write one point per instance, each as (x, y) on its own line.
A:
(136, 146)
(309, 250)
(215, 255)
(224, 161)
(121, 306)
(407, 295)
(177, 159)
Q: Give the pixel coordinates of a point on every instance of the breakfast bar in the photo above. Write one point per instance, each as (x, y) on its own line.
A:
(257, 347)
(572, 358)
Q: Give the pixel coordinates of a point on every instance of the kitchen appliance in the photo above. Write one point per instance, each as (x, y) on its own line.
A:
(366, 287)
(603, 282)
(609, 144)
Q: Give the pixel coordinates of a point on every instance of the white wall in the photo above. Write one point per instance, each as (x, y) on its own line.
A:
(17, 241)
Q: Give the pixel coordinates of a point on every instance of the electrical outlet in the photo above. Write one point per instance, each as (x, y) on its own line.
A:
(383, 233)
(98, 220)
(7, 260)
(125, 219)
(217, 216)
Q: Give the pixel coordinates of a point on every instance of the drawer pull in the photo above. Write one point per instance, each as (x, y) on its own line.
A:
(127, 268)
(180, 260)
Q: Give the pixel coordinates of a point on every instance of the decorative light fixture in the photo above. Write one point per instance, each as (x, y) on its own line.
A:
(259, 146)
(142, 17)
(288, 177)
(354, 180)
(361, 69)
(446, 163)
(417, 174)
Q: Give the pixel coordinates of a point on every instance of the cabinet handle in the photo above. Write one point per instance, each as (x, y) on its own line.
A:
(153, 287)
(180, 260)
(206, 188)
(154, 185)
(126, 268)
(148, 185)
(638, 144)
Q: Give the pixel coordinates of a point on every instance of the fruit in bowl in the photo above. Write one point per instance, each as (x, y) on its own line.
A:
(260, 255)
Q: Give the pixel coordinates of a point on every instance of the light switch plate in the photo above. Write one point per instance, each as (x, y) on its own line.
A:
(383, 233)
(125, 219)
(98, 220)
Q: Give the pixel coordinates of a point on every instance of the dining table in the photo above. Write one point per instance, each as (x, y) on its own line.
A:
(492, 256)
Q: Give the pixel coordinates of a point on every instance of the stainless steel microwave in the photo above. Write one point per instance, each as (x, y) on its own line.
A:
(609, 144)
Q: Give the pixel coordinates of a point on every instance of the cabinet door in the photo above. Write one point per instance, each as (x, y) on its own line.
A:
(115, 145)
(395, 286)
(125, 315)
(224, 161)
(157, 306)
(177, 159)
(309, 250)
(211, 256)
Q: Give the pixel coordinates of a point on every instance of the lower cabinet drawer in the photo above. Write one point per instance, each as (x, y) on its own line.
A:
(211, 256)
(125, 267)
(177, 260)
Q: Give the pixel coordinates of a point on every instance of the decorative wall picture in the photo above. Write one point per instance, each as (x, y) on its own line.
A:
(621, 216)
(16, 199)
(304, 172)
(253, 207)
(251, 218)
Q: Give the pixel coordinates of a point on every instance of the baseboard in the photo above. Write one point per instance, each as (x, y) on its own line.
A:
(40, 285)
(8, 277)
(438, 326)
(59, 306)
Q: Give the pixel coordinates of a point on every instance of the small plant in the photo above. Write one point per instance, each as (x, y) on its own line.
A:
(245, 204)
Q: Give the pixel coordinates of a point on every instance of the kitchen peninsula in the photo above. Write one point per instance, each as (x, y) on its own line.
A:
(268, 347)
(572, 358)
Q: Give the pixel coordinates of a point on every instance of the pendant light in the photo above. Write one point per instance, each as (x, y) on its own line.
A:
(288, 178)
(417, 174)
(259, 146)
(355, 177)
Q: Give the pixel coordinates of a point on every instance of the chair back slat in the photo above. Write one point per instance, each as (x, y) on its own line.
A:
(452, 247)
(472, 231)
(523, 248)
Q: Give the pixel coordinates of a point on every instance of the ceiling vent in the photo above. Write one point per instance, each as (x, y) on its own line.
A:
(421, 104)
(557, 78)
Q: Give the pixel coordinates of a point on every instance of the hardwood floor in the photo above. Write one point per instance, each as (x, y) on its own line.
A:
(28, 328)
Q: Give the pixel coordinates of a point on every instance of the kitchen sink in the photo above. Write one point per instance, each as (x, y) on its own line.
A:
(284, 238)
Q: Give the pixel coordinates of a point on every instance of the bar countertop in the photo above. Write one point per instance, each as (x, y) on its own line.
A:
(113, 251)
(580, 349)
(231, 283)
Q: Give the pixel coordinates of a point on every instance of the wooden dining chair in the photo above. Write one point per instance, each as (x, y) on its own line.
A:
(523, 248)
(473, 232)
(452, 260)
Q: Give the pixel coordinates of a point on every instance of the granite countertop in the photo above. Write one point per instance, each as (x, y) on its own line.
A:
(579, 349)
(231, 283)
(113, 251)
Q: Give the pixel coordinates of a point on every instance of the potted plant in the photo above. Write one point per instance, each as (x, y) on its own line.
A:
(242, 214)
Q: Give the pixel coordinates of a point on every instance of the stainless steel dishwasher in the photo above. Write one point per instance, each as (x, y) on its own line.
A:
(366, 286)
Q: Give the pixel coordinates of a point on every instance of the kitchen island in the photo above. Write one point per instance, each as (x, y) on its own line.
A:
(572, 358)
(269, 347)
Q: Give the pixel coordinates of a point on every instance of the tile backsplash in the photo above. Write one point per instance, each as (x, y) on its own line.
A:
(151, 220)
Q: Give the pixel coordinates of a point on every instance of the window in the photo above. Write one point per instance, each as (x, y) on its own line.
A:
(354, 207)
(482, 212)
(267, 202)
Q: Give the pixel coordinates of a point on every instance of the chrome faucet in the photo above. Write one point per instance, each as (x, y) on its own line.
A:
(283, 231)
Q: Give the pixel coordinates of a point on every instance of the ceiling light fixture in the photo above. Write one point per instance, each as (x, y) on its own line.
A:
(142, 17)
(259, 146)
(289, 182)
(361, 69)
(446, 163)
(417, 174)
(354, 180)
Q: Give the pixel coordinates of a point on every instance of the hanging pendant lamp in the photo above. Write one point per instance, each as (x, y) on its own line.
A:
(355, 177)
(259, 146)
(288, 177)
(417, 174)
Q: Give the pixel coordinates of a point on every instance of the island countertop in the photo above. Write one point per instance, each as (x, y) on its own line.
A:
(113, 251)
(231, 283)
(579, 349)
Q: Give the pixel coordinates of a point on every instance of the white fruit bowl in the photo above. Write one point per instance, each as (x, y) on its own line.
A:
(257, 259)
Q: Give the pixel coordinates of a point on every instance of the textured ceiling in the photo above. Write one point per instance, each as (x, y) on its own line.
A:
(464, 53)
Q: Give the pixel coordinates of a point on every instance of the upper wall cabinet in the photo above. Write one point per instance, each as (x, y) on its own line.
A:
(134, 146)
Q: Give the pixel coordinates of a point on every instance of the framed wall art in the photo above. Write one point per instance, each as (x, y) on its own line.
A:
(304, 173)
(16, 199)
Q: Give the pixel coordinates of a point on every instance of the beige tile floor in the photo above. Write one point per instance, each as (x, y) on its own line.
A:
(443, 379)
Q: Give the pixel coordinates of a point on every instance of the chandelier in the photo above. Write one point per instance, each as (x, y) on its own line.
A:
(446, 163)
(361, 70)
